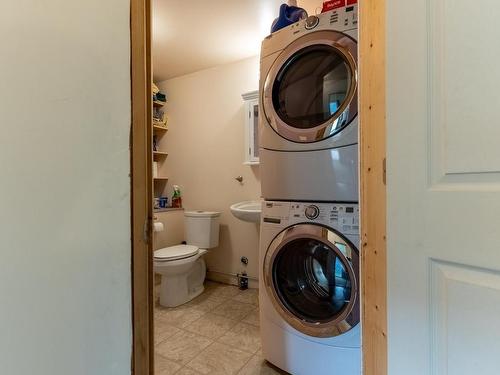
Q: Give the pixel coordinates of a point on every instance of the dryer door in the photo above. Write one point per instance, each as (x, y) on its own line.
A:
(310, 92)
(311, 276)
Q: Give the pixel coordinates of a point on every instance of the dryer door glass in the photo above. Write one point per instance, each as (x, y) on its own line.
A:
(312, 280)
(311, 88)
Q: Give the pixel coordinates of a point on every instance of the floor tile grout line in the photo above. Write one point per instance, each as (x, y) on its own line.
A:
(197, 355)
(246, 363)
(215, 342)
(215, 339)
(217, 301)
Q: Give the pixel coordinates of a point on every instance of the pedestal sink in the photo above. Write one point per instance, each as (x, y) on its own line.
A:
(247, 211)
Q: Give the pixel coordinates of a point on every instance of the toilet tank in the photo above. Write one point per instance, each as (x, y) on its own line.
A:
(202, 228)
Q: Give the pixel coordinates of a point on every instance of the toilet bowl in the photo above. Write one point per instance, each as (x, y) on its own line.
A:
(182, 267)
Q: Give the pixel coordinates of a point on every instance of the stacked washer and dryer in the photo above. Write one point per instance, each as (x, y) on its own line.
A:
(309, 257)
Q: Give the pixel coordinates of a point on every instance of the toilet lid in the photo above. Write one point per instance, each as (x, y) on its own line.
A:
(200, 213)
(175, 252)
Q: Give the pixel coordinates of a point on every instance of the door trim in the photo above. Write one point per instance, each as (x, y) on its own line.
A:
(372, 186)
(142, 190)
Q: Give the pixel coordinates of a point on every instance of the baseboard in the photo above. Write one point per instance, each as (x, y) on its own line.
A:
(218, 277)
(230, 279)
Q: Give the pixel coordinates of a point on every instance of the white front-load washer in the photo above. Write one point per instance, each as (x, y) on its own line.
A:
(308, 99)
(309, 287)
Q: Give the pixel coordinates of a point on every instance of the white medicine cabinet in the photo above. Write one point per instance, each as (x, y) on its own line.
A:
(251, 100)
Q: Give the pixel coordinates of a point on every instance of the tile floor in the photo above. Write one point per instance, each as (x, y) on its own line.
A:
(216, 333)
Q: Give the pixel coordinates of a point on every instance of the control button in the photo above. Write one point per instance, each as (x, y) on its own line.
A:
(311, 22)
(312, 212)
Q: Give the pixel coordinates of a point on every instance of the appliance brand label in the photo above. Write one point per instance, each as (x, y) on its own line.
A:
(334, 4)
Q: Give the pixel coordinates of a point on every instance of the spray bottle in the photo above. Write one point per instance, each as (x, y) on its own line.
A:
(176, 197)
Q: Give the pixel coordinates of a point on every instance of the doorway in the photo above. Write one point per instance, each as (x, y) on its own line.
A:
(372, 146)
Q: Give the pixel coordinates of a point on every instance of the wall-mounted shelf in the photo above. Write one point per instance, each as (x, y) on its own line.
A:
(160, 153)
(160, 156)
(157, 103)
(160, 128)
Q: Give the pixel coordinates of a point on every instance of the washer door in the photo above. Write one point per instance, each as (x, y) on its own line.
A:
(311, 275)
(310, 92)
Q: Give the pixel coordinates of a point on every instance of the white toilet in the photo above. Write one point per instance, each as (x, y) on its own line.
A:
(182, 267)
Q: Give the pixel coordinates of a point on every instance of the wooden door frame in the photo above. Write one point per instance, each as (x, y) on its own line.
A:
(373, 186)
(141, 181)
(372, 182)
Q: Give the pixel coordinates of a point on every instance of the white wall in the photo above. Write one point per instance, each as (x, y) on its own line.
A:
(64, 191)
(205, 143)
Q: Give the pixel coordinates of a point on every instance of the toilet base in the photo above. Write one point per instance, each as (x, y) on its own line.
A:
(180, 288)
(168, 300)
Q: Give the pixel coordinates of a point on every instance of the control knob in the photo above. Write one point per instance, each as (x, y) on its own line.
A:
(311, 22)
(312, 212)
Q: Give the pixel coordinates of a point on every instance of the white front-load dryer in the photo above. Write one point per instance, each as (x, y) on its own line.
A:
(309, 104)
(309, 287)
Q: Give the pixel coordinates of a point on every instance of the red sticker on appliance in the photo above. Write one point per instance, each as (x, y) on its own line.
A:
(332, 4)
(351, 2)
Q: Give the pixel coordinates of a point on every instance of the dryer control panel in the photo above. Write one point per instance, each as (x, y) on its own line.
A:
(341, 216)
(343, 19)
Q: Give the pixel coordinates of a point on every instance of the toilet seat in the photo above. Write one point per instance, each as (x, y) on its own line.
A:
(175, 252)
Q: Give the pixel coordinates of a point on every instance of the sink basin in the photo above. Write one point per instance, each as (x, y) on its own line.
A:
(247, 211)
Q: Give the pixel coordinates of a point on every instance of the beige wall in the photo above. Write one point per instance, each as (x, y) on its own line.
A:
(64, 192)
(173, 233)
(205, 142)
(311, 6)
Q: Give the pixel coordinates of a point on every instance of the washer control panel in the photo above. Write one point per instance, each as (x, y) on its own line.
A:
(311, 22)
(311, 212)
(341, 216)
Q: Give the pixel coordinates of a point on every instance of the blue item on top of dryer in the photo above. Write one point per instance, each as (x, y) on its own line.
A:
(288, 15)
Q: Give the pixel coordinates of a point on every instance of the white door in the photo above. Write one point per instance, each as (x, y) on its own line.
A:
(443, 187)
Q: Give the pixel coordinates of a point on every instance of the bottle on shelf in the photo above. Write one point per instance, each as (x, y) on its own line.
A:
(176, 197)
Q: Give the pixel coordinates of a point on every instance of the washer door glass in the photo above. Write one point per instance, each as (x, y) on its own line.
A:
(311, 279)
(311, 88)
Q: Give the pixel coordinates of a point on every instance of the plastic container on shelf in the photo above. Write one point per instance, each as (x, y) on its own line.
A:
(163, 202)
